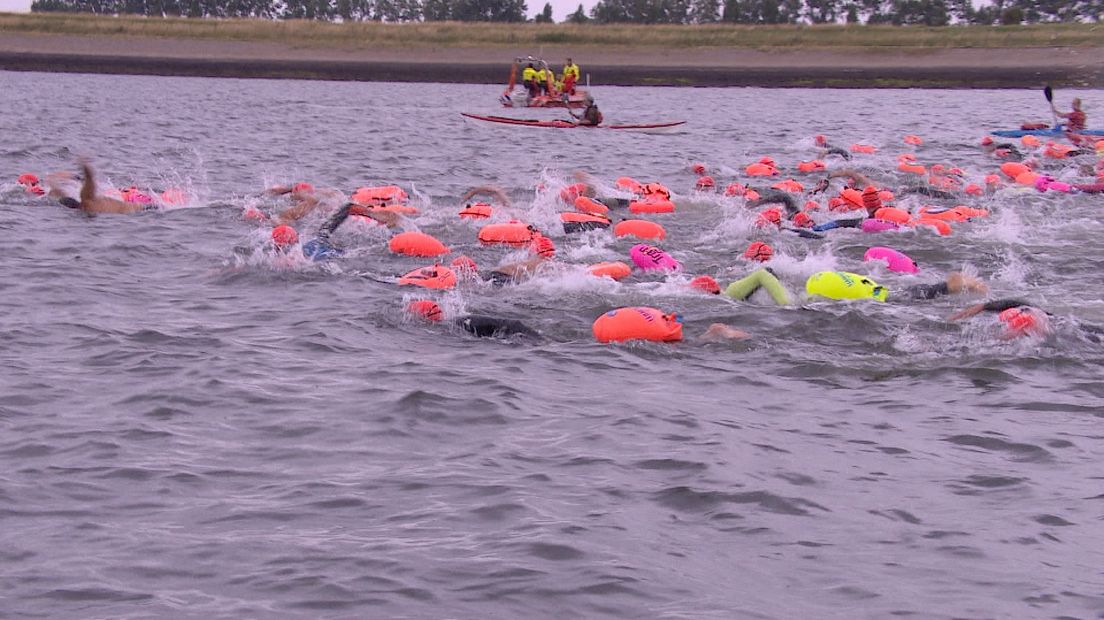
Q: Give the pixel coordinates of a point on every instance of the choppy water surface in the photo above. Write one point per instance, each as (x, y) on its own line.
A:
(187, 432)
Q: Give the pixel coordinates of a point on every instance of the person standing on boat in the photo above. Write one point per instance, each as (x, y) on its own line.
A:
(570, 76)
(542, 80)
(591, 116)
(529, 79)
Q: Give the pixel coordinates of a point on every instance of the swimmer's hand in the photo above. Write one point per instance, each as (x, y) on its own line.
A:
(720, 331)
(958, 282)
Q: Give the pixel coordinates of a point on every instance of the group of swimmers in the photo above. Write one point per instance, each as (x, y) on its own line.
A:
(866, 201)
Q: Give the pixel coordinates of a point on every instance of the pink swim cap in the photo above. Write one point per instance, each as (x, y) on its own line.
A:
(284, 236)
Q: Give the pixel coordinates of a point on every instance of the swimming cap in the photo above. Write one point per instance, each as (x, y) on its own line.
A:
(704, 182)
(706, 284)
(820, 140)
(464, 264)
(425, 308)
(698, 168)
(759, 251)
(769, 216)
(543, 245)
(802, 220)
(986, 141)
(302, 187)
(1019, 320)
(284, 236)
(28, 179)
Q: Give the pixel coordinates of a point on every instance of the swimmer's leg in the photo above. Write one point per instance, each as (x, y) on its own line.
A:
(744, 288)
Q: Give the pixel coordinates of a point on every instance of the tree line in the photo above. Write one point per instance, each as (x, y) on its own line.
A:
(897, 12)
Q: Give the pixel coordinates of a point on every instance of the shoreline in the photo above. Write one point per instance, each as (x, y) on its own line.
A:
(810, 68)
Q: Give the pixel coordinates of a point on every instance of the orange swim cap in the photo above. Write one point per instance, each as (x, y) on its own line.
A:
(759, 251)
(284, 236)
(986, 141)
(302, 187)
(425, 308)
(820, 140)
(802, 220)
(698, 168)
(768, 217)
(28, 179)
(464, 264)
(705, 182)
(543, 245)
(706, 284)
(1019, 320)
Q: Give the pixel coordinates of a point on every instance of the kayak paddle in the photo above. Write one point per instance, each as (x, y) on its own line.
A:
(1048, 92)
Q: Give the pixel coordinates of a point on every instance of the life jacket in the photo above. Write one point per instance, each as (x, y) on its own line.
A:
(528, 74)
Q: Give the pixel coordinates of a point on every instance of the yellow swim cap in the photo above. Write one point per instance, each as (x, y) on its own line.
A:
(844, 285)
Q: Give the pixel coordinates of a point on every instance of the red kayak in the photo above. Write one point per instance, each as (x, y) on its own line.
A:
(558, 124)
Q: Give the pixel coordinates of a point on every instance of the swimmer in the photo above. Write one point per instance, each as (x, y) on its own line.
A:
(1019, 317)
(305, 200)
(91, 203)
(477, 325)
(522, 270)
(828, 149)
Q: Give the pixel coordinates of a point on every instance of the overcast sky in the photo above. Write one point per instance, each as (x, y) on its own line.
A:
(560, 8)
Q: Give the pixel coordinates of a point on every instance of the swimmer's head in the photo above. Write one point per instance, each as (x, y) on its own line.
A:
(543, 246)
(706, 284)
(464, 264)
(302, 188)
(28, 179)
(1023, 320)
(425, 308)
(283, 237)
(820, 140)
(759, 251)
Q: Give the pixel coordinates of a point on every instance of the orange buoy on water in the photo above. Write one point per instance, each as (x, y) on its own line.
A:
(414, 243)
(641, 229)
(1027, 178)
(1030, 141)
(913, 140)
(437, 276)
(789, 185)
(637, 323)
(947, 215)
(382, 195)
(761, 170)
(652, 205)
(863, 148)
(579, 222)
(811, 166)
(1013, 169)
(943, 228)
(616, 270)
(476, 211)
(629, 184)
(853, 197)
(912, 168)
(893, 214)
(973, 189)
(591, 206)
(513, 233)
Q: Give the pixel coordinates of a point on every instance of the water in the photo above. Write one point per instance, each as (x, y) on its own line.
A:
(192, 428)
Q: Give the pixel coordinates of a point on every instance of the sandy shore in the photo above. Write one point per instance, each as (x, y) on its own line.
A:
(952, 68)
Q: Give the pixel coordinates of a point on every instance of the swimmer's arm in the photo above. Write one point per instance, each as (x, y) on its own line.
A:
(491, 190)
(966, 313)
(297, 212)
(88, 184)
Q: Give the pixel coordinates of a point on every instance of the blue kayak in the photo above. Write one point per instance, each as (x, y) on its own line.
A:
(1048, 131)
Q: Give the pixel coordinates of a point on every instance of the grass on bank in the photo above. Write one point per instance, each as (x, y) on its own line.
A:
(359, 35)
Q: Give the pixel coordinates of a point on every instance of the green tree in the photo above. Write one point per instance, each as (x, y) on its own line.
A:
(579, 16)
(545, 16)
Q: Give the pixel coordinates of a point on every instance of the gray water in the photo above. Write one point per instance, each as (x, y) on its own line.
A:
(192, 428)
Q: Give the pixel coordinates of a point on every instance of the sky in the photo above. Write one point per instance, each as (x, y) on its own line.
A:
(560, 8)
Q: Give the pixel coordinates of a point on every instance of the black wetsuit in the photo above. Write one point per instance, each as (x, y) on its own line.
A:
(489, 326)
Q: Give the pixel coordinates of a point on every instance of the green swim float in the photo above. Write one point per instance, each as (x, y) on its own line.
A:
(743, 288)
(844, 285)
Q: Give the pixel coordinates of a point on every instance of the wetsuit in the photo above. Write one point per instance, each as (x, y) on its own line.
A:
(489, 326)
(320, 247)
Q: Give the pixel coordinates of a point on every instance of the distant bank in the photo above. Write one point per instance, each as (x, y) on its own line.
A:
(308, 51)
